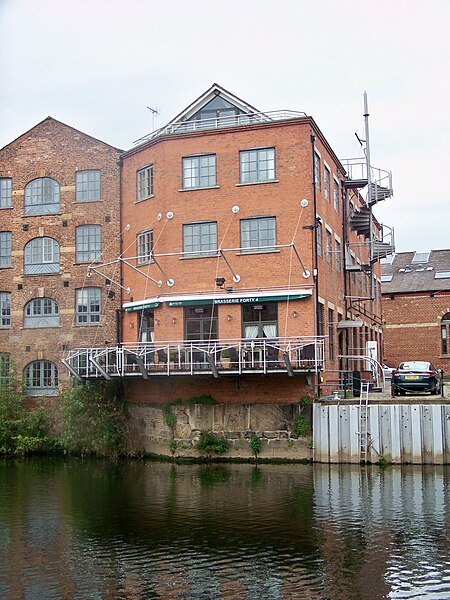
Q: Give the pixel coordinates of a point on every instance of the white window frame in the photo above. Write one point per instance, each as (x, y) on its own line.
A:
(41, 312)
(336, 194)
(257, 226)
(199, 171)
(5, 249)
(257, 165)
(85, 300)
(41, 256)
(87, 185)
(5, 309)
(328, 245)
(88, 243)
(317, 170)
(144, 182)
(5, 192)
(338, 254)
(144, 247)
(326, 181)
(42, 196)
(40, 378)
(206, 234)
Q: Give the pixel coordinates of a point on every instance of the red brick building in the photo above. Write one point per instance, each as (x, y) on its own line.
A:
(416, 308)
(248, 263)
(59, 213)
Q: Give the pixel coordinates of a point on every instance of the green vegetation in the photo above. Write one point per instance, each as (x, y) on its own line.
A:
(92, 420)
(255, 445)
(304, 401)
(208, 442)
(383, 461)
(300, 425)
(22, 431)
(170, 418)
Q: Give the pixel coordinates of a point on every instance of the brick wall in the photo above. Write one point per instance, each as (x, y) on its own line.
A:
(54, 150)
(412, 329)
(281, 199)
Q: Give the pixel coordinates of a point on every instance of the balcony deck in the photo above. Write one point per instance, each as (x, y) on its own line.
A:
(219, 358)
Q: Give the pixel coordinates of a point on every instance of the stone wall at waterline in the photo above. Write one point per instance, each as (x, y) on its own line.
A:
(273, 424)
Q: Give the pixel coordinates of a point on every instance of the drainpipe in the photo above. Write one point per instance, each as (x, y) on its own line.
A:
(315, 259)
(344, 195)
(119, 312)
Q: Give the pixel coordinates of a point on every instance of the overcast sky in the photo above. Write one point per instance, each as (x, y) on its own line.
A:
(98, 64)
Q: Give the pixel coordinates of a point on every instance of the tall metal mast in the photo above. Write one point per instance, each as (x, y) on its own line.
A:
(369, 191)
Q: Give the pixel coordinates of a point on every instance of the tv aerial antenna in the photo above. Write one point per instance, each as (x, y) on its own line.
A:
(155, 113)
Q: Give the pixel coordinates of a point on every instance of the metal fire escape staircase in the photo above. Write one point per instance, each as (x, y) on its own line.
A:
(376, 184)
(363, 419)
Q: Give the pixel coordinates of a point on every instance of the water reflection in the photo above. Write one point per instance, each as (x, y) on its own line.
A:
(77, 529)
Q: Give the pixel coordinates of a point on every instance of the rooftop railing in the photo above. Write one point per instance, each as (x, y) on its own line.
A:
(287, 355)
(221, 122)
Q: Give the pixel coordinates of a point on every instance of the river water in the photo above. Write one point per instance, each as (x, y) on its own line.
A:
(139, 529)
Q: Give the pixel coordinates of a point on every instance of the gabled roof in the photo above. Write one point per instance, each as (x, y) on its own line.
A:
(412, 272)
(206, 97)
(77, 131)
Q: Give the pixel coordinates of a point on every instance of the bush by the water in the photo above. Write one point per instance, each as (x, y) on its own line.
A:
(92, 420)
(22, 431)
(209, 442)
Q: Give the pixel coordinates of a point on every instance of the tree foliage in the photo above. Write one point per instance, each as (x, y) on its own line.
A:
(93, 421)
(22, 431)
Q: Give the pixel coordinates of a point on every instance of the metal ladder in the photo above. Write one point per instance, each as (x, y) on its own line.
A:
(363, 414)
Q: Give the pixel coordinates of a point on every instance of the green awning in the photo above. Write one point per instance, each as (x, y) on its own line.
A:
(237, 299)
(133, 306)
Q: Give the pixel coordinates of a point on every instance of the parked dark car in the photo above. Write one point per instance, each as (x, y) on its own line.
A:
(416, 376)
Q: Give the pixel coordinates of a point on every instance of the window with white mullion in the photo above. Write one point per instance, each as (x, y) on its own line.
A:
(257, 165)
(336, 195)
(317, 177)
(258, 234)
(87, 185)
(5, 309)
(145, 182)
(42, 196)
(5, 192)
(40, 378)
(326, 182)
(41, 256)
(200, 238)
(88, 243)
(144, 245)
(87, 306)
(199, 171)
(5, 249)
(41, 312)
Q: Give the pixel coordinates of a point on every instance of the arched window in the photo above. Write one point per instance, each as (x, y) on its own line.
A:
(41, 312)
(42, 196)
(40, 378)
(445, 334)
(41, 256)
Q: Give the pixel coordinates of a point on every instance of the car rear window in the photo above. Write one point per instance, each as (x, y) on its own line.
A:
(414, 366)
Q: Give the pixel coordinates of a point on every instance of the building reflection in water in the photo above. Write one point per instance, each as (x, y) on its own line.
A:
(94, 529)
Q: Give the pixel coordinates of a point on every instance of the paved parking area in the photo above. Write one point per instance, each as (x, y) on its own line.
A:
(384, 397)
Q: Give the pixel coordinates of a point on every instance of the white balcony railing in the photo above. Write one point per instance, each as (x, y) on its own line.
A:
(221, 122)
(220, 357)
